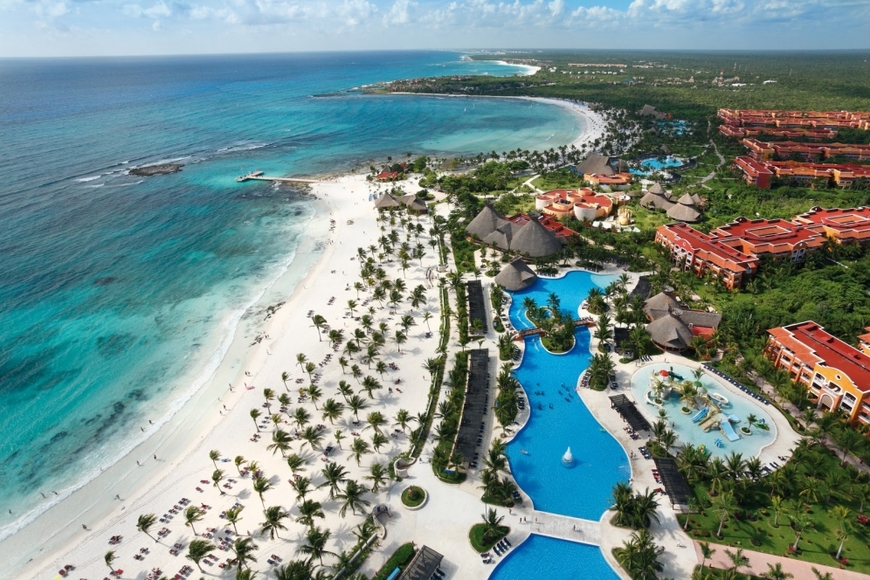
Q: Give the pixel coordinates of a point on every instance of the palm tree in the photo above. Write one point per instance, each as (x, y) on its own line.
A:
(427, 316)
(192, 515)
(738, 560)
(214, 455)
(645, 508)
(310, 367)
(403, 417)
(217, 477)
(381, 368)
(356, 404)
(723, 505)
(301, 417)
(842, 516)
(639, 556)
(379, 440)
(255, 414)
(285, 376)
(314, 393)
(358, 448)
(274, 521)
(233, 516)
(491, 525)
(109, 558)
(309, 510)
(776, 505)
(302, 487)
(280, 442)
(706, 552)
(370, 384)
(775, 572)
(351, 305)
(244, 549)
(315, 544)
(295, 570)
(352, 497)
(199, 549)
(332, 410)
(378, 475)
(375, 420)
(342, 362)
(318, 322)
(334, 474)
(239, 461)
(144, 523)
(345, 390)
(261, 485)
(356, 372)
(312, 436)
(246, 574)
(400, 338)
(295, 462)
(301, 359)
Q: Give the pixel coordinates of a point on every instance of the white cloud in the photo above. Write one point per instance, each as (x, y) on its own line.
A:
(398, 14)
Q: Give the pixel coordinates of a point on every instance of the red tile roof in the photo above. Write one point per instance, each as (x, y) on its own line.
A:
(812, 344)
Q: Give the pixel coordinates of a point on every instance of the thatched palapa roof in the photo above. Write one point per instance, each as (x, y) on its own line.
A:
(516, 276)
(535, 240)
(657, 198)
(670, 332)
(484, 223)
(596, 163)
(685, 210)
(386, 201)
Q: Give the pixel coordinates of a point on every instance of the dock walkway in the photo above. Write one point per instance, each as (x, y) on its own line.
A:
(258, 176)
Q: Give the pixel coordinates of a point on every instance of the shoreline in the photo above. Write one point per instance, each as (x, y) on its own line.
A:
(593, 122)
(93, 501)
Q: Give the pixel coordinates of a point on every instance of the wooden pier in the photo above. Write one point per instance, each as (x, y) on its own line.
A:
(258, 176)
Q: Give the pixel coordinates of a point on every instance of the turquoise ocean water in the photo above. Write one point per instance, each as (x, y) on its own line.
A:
(118, 294)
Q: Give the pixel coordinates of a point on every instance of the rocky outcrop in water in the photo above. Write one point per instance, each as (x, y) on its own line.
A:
(162, 169)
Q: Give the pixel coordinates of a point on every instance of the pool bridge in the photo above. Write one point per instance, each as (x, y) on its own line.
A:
(522, 334)
(562, 527)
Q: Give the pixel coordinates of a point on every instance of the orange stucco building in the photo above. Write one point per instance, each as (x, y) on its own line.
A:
(835, 374)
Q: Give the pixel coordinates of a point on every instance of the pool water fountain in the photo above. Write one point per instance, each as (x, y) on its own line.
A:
(568, 458)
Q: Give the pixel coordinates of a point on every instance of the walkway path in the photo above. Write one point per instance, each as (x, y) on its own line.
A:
(712, 174)
(758, 564)
(562, 527)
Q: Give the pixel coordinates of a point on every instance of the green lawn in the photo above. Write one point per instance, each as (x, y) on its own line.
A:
(476, 537)
(753, 528)
(400, 558)
(413, 496)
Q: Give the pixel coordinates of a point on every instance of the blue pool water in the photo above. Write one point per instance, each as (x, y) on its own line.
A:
(558, 417)
(657, 164)
(542, 557)
(690, 432)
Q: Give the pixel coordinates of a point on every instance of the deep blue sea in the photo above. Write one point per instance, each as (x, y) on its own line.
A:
(118, 294)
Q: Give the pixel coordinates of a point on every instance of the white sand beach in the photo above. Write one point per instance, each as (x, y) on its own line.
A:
(173, 465)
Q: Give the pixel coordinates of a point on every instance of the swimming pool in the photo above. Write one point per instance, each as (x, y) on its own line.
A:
(658, 164)
(543, 557)
(691, 432)
(559, 419)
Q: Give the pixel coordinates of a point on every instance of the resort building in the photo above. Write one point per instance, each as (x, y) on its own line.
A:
(761, 173)
(841, 225)
(603, 171)
(785, 150)
(521, 233)
(700, 253)
(650, 111)
(777, 238)
(673, 327)
(836, 375)
(583, 204)
(780, 119)
(410, 201)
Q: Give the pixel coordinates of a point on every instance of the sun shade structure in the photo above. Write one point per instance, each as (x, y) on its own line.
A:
(476, 305)
(685, 210)
(629, 412)
(535, 240)
(516, 276)
(386, 201)
(412, 202)
(657, 198)
(476, 405)
(676, 487)
(530, 238)
(423, 565)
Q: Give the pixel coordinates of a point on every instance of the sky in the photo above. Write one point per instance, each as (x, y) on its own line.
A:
(153, 27)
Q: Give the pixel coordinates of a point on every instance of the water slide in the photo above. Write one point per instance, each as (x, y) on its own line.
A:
(733, 418)
(710, 422)
(700, 414)
(728, 430)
